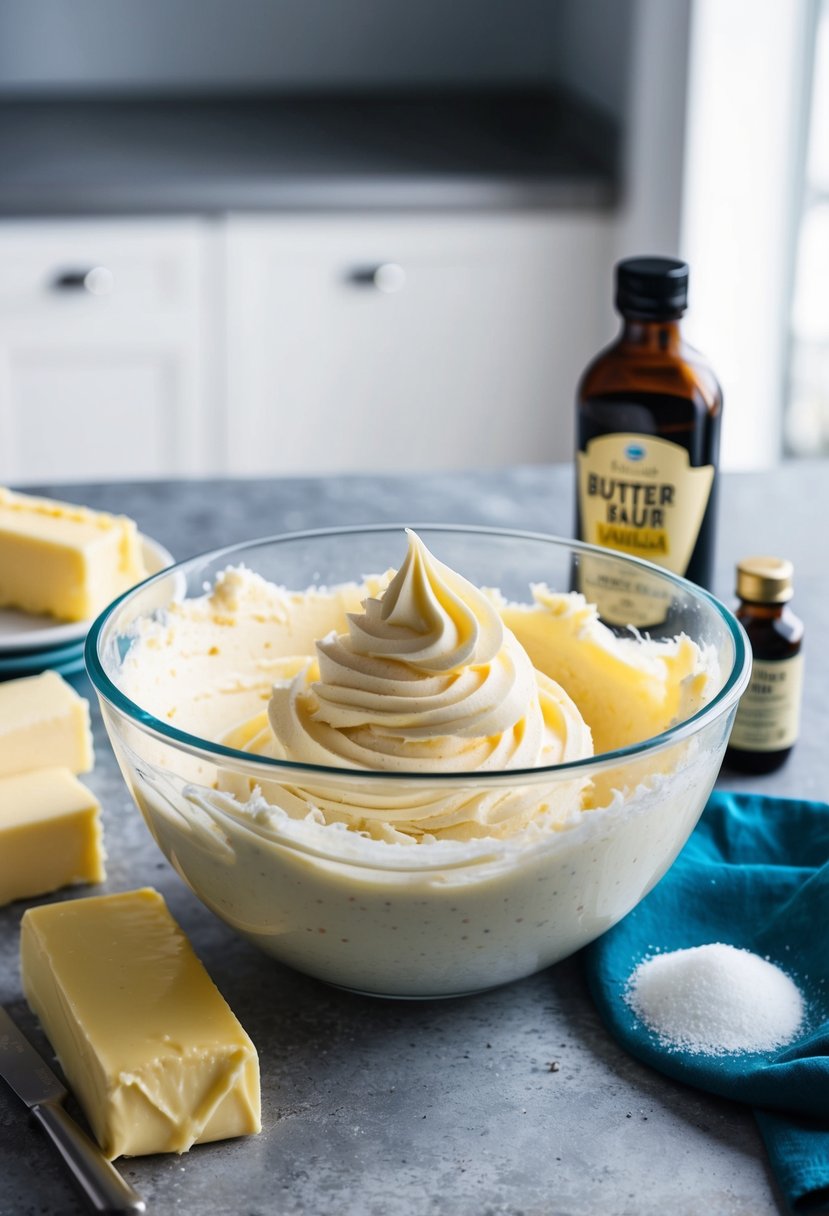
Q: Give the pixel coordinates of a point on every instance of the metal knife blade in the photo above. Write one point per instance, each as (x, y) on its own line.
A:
(31, 1078)
(24, 1069)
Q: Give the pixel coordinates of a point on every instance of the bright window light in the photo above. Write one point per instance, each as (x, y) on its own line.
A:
(806, 428)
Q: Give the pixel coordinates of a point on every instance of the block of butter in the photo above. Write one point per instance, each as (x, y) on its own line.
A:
(43, 723)
(149, 1046)
(50, 834)
(62, 560)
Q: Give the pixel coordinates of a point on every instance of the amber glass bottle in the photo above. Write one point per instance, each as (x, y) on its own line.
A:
(768, 718)
(648, 430)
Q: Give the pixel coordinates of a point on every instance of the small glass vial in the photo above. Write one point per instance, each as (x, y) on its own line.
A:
(768, 717)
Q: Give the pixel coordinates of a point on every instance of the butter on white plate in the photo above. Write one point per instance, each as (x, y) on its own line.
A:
(43, 724)
(27, 631)
(64, 560)
(50, 834)
(149, 1046)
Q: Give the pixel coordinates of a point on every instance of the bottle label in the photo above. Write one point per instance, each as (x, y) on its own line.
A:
(641, 495)
(768, 717)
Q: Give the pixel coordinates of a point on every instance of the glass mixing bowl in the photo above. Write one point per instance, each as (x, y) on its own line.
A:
(422, 919)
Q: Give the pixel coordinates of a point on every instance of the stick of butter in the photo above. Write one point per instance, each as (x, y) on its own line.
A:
(64, 560)
(50, 834)
(43, 723)
(149, 1046)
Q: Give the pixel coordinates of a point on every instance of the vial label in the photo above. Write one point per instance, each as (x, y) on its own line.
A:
(768, 717)
(641, 495)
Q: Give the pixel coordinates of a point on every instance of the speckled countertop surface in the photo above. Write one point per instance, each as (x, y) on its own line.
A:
(389, 1108)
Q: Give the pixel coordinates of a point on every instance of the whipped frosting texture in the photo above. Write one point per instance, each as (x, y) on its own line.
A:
(396, 695)
(426, 680)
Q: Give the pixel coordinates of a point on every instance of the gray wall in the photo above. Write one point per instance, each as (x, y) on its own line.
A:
(592, 49)
(189, 45)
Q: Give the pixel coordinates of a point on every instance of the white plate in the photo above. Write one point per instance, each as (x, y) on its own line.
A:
(23, 631)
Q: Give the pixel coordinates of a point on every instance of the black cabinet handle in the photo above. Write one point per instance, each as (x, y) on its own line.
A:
(96, 280)
(387, 277)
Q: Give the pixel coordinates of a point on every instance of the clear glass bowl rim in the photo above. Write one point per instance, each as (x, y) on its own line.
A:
(269, 767)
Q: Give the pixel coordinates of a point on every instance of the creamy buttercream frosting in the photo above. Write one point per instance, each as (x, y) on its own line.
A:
(419, 834)
(417, 672)
(427, 679)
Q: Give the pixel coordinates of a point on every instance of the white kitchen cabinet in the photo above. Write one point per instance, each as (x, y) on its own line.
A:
(275, 344)
(470, 360)
(105, 375)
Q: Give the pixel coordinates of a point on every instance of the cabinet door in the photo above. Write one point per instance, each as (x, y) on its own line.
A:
(464, 350)
(101, 351)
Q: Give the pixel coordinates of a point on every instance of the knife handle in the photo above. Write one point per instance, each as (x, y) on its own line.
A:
(103, 1187)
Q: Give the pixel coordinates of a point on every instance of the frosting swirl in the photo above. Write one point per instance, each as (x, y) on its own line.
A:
(426, 680)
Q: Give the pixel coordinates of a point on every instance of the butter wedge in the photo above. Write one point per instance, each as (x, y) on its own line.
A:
(149, 1046)
(43, 723)
(64, 560)
(50, 834)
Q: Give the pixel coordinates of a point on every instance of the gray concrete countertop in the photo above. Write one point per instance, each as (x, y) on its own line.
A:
(445, 1108)
(485, 150)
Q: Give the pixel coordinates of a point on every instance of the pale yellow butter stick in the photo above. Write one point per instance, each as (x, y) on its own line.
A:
(43, 724)
(149, 1046)
(63, 560)
(50, 834)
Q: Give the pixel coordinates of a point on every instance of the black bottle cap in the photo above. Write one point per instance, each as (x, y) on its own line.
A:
(652, 289)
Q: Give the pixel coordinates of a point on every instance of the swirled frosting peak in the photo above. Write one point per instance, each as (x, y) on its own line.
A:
(427, 679)
(428, 617)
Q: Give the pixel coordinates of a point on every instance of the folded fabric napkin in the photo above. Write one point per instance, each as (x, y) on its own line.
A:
(755, 875)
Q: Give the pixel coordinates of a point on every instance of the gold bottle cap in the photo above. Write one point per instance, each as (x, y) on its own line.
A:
(765, 580)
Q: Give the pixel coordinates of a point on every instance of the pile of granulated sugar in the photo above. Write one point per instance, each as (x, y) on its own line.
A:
(715, 999)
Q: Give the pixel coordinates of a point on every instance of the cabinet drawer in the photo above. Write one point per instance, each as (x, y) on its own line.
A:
(118, 384)
(99, 269)
(394, 343)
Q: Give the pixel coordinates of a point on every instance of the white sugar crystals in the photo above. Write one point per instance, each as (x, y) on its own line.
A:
(715, 999)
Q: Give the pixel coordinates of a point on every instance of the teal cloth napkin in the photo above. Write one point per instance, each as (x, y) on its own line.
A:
(754, 874)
